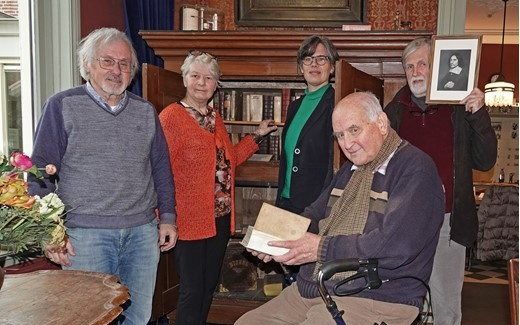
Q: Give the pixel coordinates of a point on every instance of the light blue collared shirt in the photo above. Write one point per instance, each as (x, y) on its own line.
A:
(102, 102)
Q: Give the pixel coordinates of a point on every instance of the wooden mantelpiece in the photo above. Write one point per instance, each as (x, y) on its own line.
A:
(268, 54)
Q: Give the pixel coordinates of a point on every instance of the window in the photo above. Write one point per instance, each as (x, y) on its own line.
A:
(11, 103)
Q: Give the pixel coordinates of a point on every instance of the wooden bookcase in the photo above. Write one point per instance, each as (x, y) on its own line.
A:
(369, 61)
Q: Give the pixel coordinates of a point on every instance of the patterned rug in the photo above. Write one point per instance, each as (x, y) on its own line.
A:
(492, 272)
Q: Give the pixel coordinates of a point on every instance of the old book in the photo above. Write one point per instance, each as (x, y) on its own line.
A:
(246, 107)
(227, 106)
(268, 110)
(273, 146)
(233, 105)
(256, 107)
(273, 224)
(277, 109)
(286, 100)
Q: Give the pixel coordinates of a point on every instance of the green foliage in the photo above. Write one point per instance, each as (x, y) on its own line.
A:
(23, 229)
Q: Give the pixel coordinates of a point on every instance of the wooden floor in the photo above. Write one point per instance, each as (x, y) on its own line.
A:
(485, 304)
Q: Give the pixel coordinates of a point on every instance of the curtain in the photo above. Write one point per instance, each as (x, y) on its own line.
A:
(146, 15)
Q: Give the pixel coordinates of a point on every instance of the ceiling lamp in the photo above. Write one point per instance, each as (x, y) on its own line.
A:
(499, 92)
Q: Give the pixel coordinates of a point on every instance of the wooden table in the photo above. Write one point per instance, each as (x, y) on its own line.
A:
(61, 297)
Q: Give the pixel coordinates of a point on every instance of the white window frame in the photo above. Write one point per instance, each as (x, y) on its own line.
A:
(49, 34)
(6, 65)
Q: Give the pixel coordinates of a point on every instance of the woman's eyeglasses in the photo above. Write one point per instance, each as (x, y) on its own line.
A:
(196, 53)
(320, 60)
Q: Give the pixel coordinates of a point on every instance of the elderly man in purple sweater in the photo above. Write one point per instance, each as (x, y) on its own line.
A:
(387, 204)
(113, 172)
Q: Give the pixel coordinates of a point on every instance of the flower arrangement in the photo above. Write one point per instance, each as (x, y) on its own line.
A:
(27, 222)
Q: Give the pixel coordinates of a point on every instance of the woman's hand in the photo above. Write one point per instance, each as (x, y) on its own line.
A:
(264, 128)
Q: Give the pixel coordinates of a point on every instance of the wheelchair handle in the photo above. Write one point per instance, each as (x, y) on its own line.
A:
(348, 264)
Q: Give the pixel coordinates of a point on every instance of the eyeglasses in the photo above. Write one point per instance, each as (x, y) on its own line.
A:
(109, 64)
(320, 60)
(196, 53)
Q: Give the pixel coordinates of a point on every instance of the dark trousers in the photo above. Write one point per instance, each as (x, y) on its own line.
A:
(286, 204)
(290, 271)
(198, 264)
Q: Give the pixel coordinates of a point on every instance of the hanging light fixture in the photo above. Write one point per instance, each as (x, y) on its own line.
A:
(499, 92)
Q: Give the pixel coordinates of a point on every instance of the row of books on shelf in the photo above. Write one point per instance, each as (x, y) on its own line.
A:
(254, 105)
(269, 149)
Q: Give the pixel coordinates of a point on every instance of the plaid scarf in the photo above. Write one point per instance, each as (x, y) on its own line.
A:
(349, 213)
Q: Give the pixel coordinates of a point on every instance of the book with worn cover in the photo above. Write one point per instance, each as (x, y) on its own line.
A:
(274, 224)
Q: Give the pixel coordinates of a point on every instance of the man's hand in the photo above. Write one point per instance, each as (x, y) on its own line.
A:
(301, 251)
(262, 256)
(167, 236)
(60, 255)
(449, 84)
(474, 101)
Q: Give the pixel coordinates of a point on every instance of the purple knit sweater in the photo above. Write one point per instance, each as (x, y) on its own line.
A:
(402, 232)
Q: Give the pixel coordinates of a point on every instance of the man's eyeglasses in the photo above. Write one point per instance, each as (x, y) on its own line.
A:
(196, 53)
(320, 60)
(109, 64)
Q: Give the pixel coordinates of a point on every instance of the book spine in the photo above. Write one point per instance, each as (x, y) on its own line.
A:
(227, 106)
(268, 110)
(274, 141)
(286, 100)
(246, 109)
(256, 107)
(277, 109)
(215, 102)
(233, 105)
(221, 103)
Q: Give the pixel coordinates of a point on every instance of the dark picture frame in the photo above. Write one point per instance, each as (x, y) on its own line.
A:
(299, 13)
(454, 66)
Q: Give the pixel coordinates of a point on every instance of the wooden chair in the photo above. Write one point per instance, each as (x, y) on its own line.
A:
(512, 273)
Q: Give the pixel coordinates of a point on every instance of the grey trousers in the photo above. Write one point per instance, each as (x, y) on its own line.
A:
(290, 308)
(447, 278)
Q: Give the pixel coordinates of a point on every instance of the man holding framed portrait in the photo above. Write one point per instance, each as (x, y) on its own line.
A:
(450, 125)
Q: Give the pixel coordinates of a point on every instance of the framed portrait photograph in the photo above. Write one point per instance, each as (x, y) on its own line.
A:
(453, 68)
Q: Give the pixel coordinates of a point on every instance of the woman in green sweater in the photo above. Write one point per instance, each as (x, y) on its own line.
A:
(306, 159)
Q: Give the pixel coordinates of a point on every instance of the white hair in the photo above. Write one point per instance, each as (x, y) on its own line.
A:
(365, 100)
(204, 58)
(99, 38)
(370, 104)
(414, 46)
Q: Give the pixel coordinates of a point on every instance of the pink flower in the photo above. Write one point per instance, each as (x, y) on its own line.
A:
(20, 161)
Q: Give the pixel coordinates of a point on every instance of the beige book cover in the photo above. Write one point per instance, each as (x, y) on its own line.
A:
(273, 224)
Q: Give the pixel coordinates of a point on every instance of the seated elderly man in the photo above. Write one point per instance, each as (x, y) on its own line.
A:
(387, 203)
